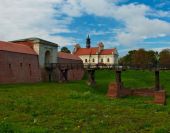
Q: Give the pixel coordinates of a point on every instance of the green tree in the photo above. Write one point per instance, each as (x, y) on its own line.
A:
(165, 58)
(127, 59)
(138, 58)
(65, 50)
(151, 58)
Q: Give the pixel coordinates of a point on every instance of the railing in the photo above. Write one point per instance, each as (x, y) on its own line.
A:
(102, 66)
(63, 65)
(51, 66)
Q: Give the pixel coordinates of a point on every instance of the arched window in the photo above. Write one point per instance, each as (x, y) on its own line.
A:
(101, 60)
(47, 57)
(85, 60)
(108, 60)
(93, 60)
(10, 69)
(9, 66)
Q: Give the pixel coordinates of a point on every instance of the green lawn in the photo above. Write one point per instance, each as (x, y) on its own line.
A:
(75, 107)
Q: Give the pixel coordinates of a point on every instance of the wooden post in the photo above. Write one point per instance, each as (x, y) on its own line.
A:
(118, 78)
(91, 77)
(49, 76)
(49, 68)
(64, 73)
(157, 80)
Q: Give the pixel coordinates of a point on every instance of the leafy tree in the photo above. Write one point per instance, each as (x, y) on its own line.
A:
(144, 59)
(151, 58)
(65, 50)
(139, 58)
(127, 59)
(165, 58)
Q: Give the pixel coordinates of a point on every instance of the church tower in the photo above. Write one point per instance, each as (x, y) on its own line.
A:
(88, 42)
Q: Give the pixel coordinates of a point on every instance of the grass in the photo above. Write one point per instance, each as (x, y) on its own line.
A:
(75, 107)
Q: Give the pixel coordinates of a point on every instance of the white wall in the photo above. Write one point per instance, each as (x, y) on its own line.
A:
(41, 50)
(105, 58)
(98, 59)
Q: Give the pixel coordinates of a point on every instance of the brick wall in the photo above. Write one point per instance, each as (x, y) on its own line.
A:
(19, 68)
(75, 73)
(115, 92)
(64, 60)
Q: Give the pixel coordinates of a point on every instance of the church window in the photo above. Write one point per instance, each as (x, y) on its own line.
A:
(102, 60)
(93, 60)
(85, 60)
(108, 60)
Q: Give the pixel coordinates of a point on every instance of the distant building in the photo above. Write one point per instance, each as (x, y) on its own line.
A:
(96, 55)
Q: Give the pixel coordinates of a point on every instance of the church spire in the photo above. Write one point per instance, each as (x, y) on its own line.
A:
(88, 42)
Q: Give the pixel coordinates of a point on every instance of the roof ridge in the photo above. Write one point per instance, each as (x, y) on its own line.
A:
(15, 47)
(12, 43)
(68, 56)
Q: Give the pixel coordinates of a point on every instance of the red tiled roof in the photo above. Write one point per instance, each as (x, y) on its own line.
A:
(93, 51)
(68, 56)
(87, 51)
(30, 44)
(107, 51)
(18, 48)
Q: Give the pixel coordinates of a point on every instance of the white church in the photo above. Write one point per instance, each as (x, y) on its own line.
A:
(96, 55)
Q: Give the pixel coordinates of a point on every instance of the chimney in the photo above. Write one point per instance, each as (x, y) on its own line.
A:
(76, 47)
(101, 46)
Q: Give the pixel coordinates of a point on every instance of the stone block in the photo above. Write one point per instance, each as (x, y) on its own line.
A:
(113, 90)
(143, 92)
(125, 92)
(160, 97)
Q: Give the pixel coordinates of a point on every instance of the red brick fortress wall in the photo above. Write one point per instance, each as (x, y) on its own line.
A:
(19, 68)
(74, 73)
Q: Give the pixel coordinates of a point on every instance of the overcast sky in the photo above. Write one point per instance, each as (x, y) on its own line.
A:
(124, 24)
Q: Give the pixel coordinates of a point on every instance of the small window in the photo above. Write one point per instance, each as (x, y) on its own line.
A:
(93, 60)
(30, 69)
(20, 64)
(9, 66)
(108, 60)
(102, 60)
(85, 60)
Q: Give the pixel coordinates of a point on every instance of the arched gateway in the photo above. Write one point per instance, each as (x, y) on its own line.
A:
(47, 57)
(54, 65)
(47, 54)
